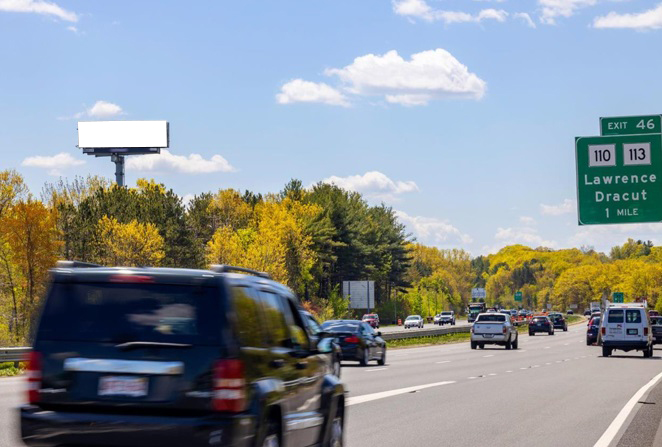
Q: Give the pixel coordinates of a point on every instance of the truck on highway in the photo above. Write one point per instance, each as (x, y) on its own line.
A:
(494, 329)
(474, 310)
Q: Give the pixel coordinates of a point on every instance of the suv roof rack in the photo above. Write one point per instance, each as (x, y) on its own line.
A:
(222, 268)
(75, 264)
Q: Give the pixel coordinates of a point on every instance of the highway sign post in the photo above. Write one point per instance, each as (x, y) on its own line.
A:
(617, 297)
(619, 178)
(518, 296)
(630, 125)
(477, 293)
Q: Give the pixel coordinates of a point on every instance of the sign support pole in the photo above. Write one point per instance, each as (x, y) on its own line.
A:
(119, 168)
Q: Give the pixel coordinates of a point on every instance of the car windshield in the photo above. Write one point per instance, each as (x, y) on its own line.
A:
(119, 313)
(337, 326)
(413, 318)
(447, 313)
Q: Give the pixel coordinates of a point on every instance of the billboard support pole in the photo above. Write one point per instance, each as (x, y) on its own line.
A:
(119, 168)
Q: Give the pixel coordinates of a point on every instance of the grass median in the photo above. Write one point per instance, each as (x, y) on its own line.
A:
(428, 341)
(8, 369)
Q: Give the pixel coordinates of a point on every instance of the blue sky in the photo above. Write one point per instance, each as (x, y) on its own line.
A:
(459, 114)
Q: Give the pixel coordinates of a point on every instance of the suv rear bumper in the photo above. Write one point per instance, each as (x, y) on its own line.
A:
(625, 345)
(41, 428)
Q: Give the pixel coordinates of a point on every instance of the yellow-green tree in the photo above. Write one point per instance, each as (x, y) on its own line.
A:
(130, 244)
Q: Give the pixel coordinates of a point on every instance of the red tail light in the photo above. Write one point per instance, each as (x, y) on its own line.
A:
(229, 386)
(352, 339)
(504, 329)
(34, 376)
(645, 332)
(604, 331)
(132, 279)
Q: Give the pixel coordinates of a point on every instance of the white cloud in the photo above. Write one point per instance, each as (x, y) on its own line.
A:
(433, 231)
(568, 206)
(103, 109)
(38, 7)
(421, 10)
(373, 184)
(552, 9)
(527, 220)
(432, 74)
(73, 29)
(54, 163)
(522, 235)
(647, 20)
(186, 200)
(526, 18)
(299, 90)
(166, 161)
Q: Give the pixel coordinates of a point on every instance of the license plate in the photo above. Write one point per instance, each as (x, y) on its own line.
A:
(123, 386)
(632, 332)
(488, 335)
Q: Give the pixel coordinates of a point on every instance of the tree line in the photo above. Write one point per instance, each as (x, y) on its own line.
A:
(311, 239)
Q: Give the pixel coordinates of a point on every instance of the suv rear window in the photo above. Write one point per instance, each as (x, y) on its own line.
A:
(498, 318)
(120, 313)
(633, 316)
(615, 316)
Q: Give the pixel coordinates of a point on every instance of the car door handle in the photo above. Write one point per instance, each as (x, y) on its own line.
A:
(302, 365)
(277, 363)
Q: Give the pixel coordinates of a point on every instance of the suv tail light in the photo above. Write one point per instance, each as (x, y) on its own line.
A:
(34, 376)
(645, 332)
(229, 386)
(352, 339)
(504, 329)
(604, 331)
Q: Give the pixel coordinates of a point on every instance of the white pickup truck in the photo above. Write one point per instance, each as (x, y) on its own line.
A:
(494, 329)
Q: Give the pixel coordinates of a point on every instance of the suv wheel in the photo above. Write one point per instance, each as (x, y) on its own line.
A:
(565, 328)
(508, 345)
(606, 352)
(336, 439)
(516, 342)
(473, 345)
(366, 357)
(271, 440)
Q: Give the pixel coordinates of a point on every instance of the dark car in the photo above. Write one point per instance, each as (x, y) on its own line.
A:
(593, 331)
(371, 319)
(558, 321)
(587, 313)
(176, 357)
(325, 343)
(656, 327)
(569, 312)
(541, 324)
(357, 340)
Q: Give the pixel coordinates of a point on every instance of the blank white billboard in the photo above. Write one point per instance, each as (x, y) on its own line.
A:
(361, 294)
(122, 134)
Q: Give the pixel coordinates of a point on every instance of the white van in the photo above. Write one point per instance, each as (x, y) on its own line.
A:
(626, 327)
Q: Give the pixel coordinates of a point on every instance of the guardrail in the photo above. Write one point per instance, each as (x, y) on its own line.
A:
(14, 354)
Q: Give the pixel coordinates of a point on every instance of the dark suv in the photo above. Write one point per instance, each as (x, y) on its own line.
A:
(175, 357)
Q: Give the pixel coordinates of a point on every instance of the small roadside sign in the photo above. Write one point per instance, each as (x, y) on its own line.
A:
(518, 296)
(630, 125)
(617, 297)
(478, 292)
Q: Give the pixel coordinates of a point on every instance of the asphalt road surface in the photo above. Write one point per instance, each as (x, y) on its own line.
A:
(553, 391)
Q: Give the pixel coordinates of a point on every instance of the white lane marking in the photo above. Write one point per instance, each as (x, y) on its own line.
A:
(445, 361)
(492, 374)
(508, 371)
(536, 366)
(558, 361)
(524, 368)
(489, 355)
(471, 378)
(548, 364)
(566, 344)
(521, 350)
(384, 394)
(375, 369)
(546, 347)
(613, 429)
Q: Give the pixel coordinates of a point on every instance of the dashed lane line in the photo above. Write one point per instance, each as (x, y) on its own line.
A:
(355, 400)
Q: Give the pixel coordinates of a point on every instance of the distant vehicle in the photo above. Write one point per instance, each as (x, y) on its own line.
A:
(656, 326)
(372, 320)
(541, 324)
(358, 341)
(587, 313)
(653, 313)
(446, 317)
(494, 329)
(592, 331)
(414, 321)
(569, 312)
(626, 327)
(172, 357)
(558, 321)
(474, 310)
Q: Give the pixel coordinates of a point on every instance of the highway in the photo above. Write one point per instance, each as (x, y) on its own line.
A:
(553, 391)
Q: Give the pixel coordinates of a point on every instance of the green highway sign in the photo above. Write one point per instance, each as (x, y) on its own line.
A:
(617, 297)
(619, 179)
(518, 296)
(630, 125)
